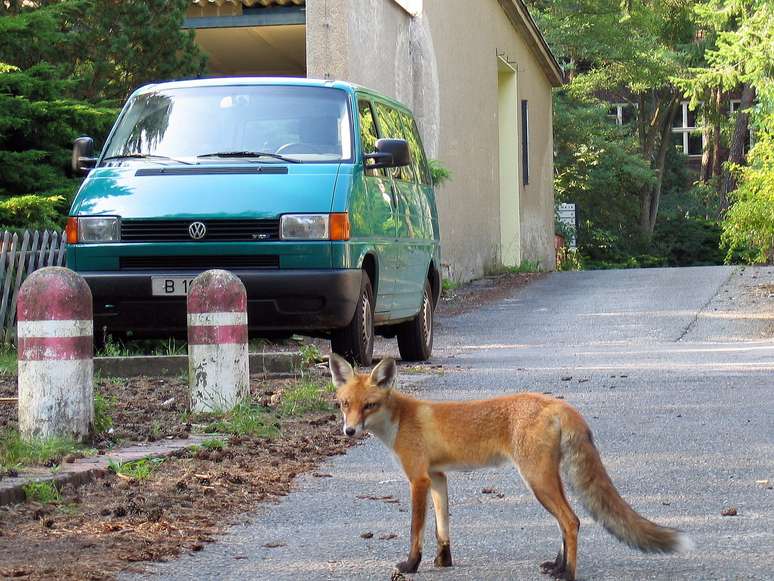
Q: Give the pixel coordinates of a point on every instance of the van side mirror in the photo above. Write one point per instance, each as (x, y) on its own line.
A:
(389, 153)
(83, 159)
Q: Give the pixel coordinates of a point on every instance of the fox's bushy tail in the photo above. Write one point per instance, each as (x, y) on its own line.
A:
(599, 496)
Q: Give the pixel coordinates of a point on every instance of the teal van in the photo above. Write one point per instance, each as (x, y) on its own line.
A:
(317, 194)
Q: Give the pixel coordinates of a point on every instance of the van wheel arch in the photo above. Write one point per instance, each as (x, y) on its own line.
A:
(371, 266)
(434, 276)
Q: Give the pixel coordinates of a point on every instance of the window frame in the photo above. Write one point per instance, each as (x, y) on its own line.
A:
(685, 131)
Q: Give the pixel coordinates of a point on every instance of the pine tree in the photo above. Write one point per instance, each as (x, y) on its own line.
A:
(66, 67)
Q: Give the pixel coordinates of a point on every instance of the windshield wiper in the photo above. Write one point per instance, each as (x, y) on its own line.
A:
(250, 154)
(138, 155)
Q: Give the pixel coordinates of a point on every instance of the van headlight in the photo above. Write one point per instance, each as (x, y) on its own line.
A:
(304, 227)
(92, 229)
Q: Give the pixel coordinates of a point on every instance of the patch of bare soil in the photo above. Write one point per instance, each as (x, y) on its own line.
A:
(482, 291)
(116, 523)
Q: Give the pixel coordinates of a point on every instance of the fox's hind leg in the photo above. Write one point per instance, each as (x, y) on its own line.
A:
(440, 494)
(540, 470)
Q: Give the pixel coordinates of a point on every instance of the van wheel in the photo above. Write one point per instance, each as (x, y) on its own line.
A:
(355, 342)
(415, 337)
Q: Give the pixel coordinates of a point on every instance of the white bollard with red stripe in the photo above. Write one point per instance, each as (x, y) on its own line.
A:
(55, 351)
(218, 363)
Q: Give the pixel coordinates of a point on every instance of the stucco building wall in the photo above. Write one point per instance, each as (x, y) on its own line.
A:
(443, 64)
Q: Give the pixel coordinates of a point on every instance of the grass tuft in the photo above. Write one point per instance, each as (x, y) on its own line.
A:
(213, 444)
(103, 408)
(135, 469)
(304, 397)
(43, 492)
(8, 363)
(246, 419)
(15, 452)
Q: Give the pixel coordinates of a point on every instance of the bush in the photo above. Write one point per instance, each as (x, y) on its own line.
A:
(34, 212)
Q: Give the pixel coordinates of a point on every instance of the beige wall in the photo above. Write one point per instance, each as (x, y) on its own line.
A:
(444, 65)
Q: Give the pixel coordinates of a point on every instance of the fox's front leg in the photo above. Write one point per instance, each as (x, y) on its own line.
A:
(419, 488)
(440, 494)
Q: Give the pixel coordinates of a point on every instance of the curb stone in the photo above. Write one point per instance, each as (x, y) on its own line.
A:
(175, 365)
(85, 470)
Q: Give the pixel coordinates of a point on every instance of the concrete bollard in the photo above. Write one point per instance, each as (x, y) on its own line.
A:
(55, 351)
(218, 363)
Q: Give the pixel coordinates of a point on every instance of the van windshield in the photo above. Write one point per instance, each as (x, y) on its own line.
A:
(268, 123)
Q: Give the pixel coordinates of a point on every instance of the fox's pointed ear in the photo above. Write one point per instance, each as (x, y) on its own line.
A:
(384, 374)
(341, 370)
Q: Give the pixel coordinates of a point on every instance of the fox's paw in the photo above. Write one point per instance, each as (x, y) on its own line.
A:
(410, 565)
(556, 570)
(444, 558)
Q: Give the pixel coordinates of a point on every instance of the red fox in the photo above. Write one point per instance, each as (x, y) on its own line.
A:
(535, 432)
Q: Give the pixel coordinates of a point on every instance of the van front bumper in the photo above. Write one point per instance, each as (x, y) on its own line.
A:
(277, 300)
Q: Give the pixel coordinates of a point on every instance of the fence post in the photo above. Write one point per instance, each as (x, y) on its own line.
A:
(218, 372)
(55, 349)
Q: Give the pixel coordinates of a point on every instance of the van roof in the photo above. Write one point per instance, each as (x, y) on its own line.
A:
(255, 81)
(247, 81)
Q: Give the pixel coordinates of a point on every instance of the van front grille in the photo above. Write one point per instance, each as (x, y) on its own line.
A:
(216, 230)
(236, 262)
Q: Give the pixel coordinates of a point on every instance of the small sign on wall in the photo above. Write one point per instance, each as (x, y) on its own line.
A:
(413, 7)
(566, 215)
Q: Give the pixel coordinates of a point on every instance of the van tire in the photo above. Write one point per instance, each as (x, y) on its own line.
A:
(355, 342)
(415, 337)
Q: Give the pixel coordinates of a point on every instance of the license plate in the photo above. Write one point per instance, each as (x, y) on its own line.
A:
(170, 286)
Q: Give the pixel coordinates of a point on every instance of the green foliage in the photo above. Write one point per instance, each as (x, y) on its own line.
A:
(8, 362)
(524, 267)
(304, 397)
(688, 242)
(568, 259)
(448, 286)
(65, 67)
(748, 231)
(310, 354)
(16, 452)
(19, 212)
(103, 408)
(745, 54)
(440, 173)
(44, 492)
(213, 444)
(112, 347)
(135, 469)
(246, 419)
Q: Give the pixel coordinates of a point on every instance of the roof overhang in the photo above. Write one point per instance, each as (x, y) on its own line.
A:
(522, 21)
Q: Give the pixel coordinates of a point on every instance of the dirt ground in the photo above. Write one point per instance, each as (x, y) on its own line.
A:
(116, 523)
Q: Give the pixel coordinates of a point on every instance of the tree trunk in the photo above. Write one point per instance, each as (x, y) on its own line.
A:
(736, 153)
(711, 136)
(650, 197)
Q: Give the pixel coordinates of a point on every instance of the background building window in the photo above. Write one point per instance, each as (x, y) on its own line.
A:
(688, 137)
(622, 113)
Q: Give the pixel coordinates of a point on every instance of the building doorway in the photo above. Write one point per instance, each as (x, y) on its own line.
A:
(507, 109)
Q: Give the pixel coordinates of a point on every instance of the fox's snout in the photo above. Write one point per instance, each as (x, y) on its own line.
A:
(352, 430)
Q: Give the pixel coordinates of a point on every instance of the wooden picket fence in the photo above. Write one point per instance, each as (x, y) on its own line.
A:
(20, 255)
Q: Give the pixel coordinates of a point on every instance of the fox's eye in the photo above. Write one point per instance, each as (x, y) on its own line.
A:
(345, 405)
(370, 406)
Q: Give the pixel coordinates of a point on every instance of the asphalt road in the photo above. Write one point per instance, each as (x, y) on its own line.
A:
(673, 369)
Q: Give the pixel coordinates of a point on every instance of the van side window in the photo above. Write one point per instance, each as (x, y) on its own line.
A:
(389, 123)
(418, 159)
(368, 133)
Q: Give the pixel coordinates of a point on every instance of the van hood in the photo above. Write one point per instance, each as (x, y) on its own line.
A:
(139, 190)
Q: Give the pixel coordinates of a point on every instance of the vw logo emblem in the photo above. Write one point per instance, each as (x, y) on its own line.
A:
(197, 230)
